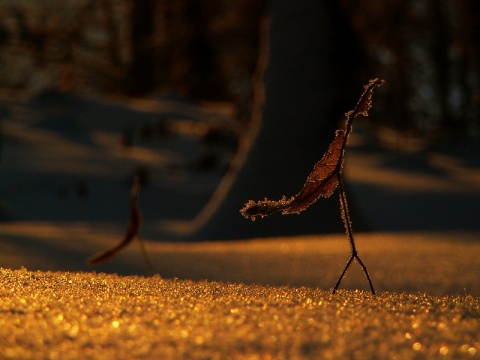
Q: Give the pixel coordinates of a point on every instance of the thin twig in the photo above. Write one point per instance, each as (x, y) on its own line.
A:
(366, 273)
(148, 263)
(135, 222)
(349, 230)
(343, 274)
(323, 181)
(346, 215)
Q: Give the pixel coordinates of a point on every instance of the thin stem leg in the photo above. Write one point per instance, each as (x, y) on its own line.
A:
(148, 264)
(364, 268)
(343, 274)
(346, 216)
(366, 273)
(349, 230)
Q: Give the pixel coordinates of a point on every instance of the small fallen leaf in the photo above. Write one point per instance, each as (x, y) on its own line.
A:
(322, 182)
(135, 222)
(324, 178)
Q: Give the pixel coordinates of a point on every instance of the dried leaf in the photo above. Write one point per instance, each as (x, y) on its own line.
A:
(321, 182)
(324, 178)
(264, 208)
(364, 104)
(135, 222)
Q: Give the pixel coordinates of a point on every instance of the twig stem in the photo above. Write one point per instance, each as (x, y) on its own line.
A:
(148, 263)
(349, 230)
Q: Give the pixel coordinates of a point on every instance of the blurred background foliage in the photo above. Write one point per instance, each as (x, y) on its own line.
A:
(427, 51)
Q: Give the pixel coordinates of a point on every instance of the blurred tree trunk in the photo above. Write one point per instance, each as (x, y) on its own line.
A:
(204, 55)
(469, 15)
(191, 67)
(397, 111)
(140, 77)
(439, 48)
(297, 125)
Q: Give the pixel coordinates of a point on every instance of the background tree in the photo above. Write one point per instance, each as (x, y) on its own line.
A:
(427, 53)
(302, 93)
(140, 78)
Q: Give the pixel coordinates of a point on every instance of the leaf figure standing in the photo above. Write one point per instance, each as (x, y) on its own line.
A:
(323, 181)
(132, 232)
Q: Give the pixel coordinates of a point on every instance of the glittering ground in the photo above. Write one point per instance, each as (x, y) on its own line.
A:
(68, 315)
(251, 299)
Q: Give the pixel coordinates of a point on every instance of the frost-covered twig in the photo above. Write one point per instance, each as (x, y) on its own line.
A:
(323, 181)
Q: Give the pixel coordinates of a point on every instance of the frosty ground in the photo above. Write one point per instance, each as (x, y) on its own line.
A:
(98, 316)
(255, 299)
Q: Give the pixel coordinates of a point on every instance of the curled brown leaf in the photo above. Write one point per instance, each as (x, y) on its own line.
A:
(135, 222)
(324, 178)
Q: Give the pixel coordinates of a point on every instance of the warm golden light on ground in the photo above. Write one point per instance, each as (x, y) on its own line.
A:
(86, 315)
